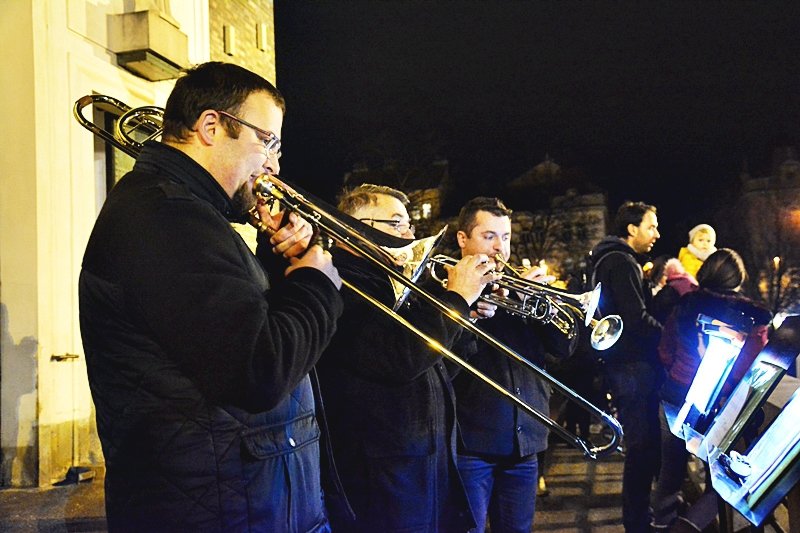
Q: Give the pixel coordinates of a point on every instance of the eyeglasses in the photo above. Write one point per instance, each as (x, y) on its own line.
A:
(271, 141)
(398, 225)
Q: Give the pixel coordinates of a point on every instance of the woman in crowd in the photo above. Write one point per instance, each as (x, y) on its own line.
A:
(681, 349)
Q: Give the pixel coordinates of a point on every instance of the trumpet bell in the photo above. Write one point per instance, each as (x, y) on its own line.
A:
(591, 305)
(605, 332)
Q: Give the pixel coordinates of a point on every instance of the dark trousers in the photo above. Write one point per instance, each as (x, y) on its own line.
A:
(634, 388)
(666, 496)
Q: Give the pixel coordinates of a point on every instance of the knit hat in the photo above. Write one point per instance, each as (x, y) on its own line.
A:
(702, 227)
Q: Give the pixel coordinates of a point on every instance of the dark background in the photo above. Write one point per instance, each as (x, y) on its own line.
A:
(654, 101)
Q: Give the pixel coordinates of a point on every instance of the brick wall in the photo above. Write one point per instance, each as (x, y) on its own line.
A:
(244, 16)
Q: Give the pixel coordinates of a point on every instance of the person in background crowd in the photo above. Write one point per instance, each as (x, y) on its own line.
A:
(655, 274)
(198, 359)
(677, 283)
(631, 367)
(681, 349)
(702, 238)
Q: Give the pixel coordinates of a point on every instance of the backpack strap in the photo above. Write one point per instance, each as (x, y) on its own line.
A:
(593, 277)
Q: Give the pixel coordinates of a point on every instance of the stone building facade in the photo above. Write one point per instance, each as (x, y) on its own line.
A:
(55, 181)
(767, 230)
(243, 32)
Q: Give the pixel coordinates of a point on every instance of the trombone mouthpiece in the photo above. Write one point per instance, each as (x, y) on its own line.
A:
(264, 188)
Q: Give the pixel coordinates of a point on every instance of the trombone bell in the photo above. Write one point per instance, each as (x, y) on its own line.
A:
(414, 259)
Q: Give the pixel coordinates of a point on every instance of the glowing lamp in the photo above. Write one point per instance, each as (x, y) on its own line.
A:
(724, 342)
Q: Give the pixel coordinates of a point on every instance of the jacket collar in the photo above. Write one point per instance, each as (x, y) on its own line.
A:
(165, 160)
(612, 243)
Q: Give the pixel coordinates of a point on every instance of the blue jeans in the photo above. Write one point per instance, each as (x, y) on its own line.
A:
(502, 488)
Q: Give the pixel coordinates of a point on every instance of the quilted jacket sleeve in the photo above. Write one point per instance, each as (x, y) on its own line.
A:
(188, 288)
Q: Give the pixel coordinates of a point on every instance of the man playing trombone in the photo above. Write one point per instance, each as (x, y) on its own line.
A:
(388, 397)
(198, 362)
(499, 443)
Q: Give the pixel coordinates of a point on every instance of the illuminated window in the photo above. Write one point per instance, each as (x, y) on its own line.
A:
(426, 210)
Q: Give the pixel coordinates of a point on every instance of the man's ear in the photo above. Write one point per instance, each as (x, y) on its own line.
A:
(461, 237)
(208, 127)
(632, 230)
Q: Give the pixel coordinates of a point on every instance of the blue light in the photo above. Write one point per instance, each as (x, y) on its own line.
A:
(712, 373)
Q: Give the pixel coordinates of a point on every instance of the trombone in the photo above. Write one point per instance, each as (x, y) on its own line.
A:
(547, 304)
(340, 228)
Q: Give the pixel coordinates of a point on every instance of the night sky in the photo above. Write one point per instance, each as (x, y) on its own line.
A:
(659, 102)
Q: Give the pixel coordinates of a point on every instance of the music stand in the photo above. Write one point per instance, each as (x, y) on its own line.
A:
(756, 481)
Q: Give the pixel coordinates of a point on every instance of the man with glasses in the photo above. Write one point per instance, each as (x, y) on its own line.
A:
(272, 144)
(388, 398)
(198, 353)
(403, 228)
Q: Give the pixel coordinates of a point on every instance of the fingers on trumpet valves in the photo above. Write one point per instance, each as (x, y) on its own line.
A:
(469, 276)
(483, 309)
(487, 269)
(539, 275)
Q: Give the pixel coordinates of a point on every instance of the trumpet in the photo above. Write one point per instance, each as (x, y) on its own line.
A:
(546, 304)
(381, 250)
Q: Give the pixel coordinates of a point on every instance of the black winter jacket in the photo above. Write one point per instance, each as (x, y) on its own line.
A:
(390, 408)
(625, 293)
(199, 373)
(489, 423)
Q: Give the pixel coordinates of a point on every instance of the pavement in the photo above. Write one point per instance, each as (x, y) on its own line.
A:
(73, 507)
(584, 497)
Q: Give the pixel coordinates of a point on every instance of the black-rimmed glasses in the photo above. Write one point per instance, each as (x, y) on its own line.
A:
(271, 141)
(398, 225)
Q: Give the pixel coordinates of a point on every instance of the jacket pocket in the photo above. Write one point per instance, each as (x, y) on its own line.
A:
(264, 442)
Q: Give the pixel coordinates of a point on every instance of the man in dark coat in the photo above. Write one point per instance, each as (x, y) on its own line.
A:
(499, 442)
(388, 397)
(198, 361)
(632, 370)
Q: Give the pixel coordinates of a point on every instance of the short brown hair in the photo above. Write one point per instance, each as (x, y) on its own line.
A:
(466, 217)
(213, 85)
(365, 194)
(630, 213)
